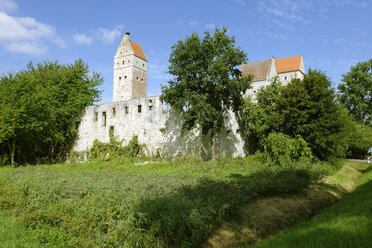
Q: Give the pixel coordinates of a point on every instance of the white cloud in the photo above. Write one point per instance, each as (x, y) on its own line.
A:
(82, 39)
(8, 6)
(340, 41)
(193, 23)
(26, 35)
(107, 35)
(210, 26)
(25, 47)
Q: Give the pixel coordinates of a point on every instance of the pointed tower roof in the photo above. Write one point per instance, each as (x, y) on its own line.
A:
(136, 47)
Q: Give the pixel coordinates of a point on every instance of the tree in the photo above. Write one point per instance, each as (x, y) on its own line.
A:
(356, 92)
(206, 81)
(308, 108)
(41, 107)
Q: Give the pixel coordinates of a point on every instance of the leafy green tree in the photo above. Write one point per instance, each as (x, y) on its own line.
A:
(206, 82)
(41, 107)
(308, 108)
(356, 92)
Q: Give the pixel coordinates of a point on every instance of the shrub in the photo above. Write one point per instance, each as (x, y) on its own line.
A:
(283, 149)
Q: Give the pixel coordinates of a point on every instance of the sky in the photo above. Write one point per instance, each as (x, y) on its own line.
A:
(331, 35)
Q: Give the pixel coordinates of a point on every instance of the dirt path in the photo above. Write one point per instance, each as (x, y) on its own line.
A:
(269, 215)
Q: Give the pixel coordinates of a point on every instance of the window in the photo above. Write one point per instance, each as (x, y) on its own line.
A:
(151, 109)
(119, 78)
(141, 79)
(126, 110)
(123, 62)
(125, 77)
(128, 61)
(285, 77)
(150, 101)
(139, 108)
(96, 117)
(121, 53)
(137, 78)
(143, 65)
(113, 111)
(104, 119)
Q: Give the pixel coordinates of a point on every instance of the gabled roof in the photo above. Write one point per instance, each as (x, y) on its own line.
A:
(259, 69)
(288, 64)
(138, 50)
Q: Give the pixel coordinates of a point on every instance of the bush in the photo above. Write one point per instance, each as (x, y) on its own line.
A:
(115, 148)
(283, 149)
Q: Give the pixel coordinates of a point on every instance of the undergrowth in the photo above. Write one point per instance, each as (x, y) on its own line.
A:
(121, 203)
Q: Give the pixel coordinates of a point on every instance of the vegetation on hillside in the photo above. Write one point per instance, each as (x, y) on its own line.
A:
(40, 109)
(119, 203)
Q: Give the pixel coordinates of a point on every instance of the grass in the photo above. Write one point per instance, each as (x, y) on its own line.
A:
(345, 224)
(119, 203)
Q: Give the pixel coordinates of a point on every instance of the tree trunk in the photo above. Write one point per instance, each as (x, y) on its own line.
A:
(12, 153)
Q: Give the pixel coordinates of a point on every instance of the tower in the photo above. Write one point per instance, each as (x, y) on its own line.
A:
(130, 71)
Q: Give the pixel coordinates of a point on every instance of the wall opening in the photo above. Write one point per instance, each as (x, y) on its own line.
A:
(113, 111)
(96, 115)
(151, 109)
(104, 119)
(126, 110)
(139, 108)
(119, 78)
(165, 107)
(125, 77)
(112, 133)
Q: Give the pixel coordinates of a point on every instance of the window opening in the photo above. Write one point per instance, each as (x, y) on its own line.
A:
(104, 118)
(139, 108)
(123, 62)
(125, 77)
(165, 107)
(137, 78)
(112, 133)
(113, 111)
(151, 109)
(126, 110)
(119, 78)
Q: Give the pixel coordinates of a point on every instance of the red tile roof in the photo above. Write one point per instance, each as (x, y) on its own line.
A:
(137, 50)
(288, 64)
(258, 69)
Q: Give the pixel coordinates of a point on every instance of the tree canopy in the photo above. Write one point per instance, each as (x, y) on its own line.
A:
(206, 82)
(40, 108)
(356, 92)
(307, 107)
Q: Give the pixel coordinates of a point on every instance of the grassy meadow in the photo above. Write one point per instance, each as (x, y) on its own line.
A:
(348, 223)
(123, 203)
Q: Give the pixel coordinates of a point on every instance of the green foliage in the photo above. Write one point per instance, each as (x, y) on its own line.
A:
(115, 148)
(356, 92)
(40, 109)
(345, 224)
(360, 140)
(305, 107)
(282, 149)
(118, 203)
(206, 80)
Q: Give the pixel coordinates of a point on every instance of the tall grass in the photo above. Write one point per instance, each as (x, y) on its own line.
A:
(119, 203)
(345, 224)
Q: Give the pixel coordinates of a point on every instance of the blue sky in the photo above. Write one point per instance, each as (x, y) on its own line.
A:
(331, 35)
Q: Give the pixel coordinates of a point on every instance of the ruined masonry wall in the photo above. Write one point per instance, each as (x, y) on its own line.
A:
(160, 130)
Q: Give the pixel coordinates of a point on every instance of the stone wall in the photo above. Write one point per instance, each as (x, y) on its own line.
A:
(159, 129)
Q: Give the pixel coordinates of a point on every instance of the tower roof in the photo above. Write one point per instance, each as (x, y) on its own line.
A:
(138, 50)
(288, 64)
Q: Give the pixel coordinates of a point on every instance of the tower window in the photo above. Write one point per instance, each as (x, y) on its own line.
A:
(123, 62)
(119, 78)
(143, 65)
(121, 53)
(139, 108)
(126, 110)
(113, 111)
(137, 78)
(141, 79)
(125, 77)
(128, 61)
